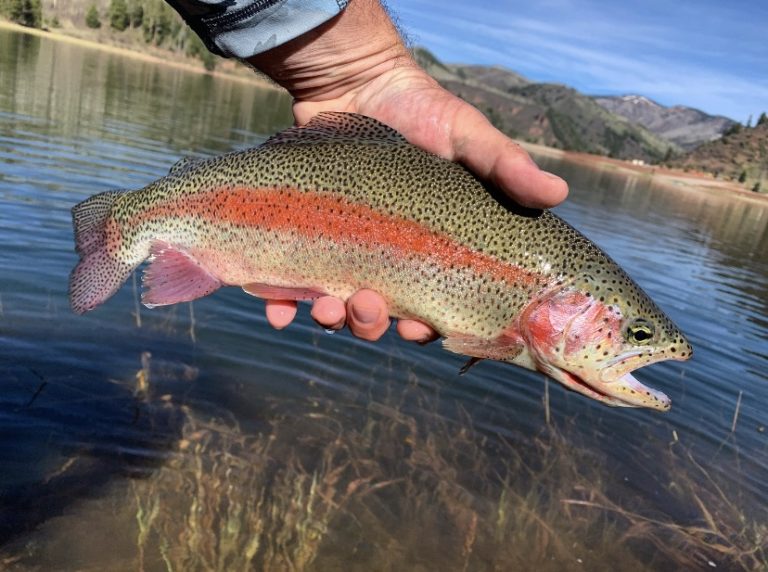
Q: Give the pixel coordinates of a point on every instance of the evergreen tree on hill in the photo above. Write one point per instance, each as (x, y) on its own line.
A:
(137, 15)
(92, 19)
(118, 15)
(25, 12)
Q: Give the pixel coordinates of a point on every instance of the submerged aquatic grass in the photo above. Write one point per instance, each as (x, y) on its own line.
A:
(395, 485)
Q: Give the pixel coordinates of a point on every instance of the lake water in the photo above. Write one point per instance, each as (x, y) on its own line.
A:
(197, 438)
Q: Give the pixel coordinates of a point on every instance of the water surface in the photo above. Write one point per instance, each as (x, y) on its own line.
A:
(79, 427)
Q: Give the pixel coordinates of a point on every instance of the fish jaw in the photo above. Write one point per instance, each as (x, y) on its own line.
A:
(625, 391)
(631, 393)
(578, 341)
(617, 379)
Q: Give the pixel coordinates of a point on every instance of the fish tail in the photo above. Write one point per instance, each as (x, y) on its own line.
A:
(98, 274)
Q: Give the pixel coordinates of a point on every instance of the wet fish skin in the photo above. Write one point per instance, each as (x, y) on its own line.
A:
(346, 203)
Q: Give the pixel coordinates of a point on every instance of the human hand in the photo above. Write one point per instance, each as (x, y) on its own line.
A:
(358, 63)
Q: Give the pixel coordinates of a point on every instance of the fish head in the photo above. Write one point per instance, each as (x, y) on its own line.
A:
(591, 335)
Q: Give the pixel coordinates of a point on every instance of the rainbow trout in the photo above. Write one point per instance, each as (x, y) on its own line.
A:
(346, 203)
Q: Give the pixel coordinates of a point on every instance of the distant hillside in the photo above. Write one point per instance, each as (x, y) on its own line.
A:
(740, 155)
(626, 127)
(496, 77)
(142, 25)
(685, 126)
(549, 114)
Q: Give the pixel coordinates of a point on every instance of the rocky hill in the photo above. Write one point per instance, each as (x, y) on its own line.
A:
(684, 126)
(549, 114)
(495, 77)
(740, 155)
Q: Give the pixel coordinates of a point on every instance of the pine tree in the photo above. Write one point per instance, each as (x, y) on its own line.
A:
(196, 48)
(92, 17)
(156, 23)
(118, 15)
(762, 119)
(137, 15)
(25, 12)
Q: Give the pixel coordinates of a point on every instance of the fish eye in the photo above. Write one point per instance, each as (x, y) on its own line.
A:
(640, 332)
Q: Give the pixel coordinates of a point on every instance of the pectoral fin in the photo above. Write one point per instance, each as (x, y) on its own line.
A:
(470, 362)
(503, 348)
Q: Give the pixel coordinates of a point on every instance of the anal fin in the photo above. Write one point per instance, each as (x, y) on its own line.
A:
(173, 276)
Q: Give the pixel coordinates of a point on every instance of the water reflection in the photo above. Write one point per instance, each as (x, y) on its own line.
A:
(85, 93)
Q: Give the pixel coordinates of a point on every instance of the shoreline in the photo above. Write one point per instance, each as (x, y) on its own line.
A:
(184, 63)
(672, 178)
(663, 176)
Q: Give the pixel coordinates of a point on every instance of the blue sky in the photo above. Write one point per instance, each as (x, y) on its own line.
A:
(707, 54)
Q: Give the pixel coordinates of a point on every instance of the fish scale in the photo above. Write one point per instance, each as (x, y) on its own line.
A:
(346, 203)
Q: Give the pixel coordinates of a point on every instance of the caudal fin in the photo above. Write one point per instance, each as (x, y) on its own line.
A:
(98, 274)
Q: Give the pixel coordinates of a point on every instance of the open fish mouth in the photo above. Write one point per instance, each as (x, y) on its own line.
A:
(625, 391)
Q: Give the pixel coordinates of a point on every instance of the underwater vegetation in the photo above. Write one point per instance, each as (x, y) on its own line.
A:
(393, 484)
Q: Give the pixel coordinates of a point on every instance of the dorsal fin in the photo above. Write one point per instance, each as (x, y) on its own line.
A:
(183, 164)
(339, 126)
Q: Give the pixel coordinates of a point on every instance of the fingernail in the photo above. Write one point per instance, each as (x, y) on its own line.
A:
(365, 314)
(551, 176)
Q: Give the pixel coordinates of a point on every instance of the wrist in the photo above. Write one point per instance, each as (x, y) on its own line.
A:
(338, 57)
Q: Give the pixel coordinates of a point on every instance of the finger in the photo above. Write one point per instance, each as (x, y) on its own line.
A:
(280, 313)
(367, 315)
(415, 331)
(329, 312)
(493, 156)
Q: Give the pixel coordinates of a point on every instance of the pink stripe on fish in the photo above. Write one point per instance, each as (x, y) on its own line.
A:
(315, 215)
